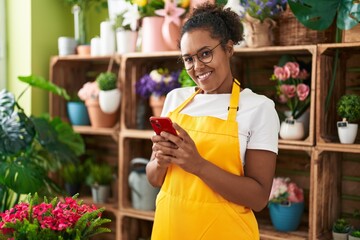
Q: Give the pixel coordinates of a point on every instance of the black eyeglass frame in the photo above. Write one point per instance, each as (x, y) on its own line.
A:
(199, 58)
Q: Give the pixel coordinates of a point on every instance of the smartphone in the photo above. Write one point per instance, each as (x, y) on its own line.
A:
(160, 124)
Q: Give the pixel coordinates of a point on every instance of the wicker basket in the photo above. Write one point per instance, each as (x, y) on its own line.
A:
(291, 32)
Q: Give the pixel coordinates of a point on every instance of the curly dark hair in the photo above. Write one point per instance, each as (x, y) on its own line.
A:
(223, 24)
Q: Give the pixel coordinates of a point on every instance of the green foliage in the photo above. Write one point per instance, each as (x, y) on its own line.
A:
(348, 107)
(31, 147)
(341, 225)
(100, 174)
(355, 233)
(320, 14)
(185, 80)
(73, 173)
(86, 4)
(119, 22)
(106, 81)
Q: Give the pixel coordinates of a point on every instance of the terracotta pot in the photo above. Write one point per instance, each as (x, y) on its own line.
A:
(97, 117)
(156, 103)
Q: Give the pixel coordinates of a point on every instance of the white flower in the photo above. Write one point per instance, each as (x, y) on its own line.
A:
(131, 16)
(155, 75)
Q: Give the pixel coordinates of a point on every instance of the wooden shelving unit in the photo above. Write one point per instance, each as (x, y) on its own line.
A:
(314, 162)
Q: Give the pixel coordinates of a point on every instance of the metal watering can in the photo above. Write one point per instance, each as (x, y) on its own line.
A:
(143, 195)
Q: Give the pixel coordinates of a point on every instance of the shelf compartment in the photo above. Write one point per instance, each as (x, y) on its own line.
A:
(134, 228)
(294, 163)
(134, 66)
(336, 188)
(71, 73)
(347, 80)
(131, 148)
(255, 74)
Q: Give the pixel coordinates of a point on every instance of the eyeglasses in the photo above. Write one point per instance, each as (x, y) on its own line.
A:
(204, 55)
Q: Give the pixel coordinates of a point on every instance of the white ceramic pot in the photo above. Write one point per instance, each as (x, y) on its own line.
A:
(126, 41)
(100, 193)
(340, 236)
(109, 100)
(347, 134)
(292, 130)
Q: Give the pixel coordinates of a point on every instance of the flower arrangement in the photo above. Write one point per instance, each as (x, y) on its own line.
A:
(128, 17)
(89, 90)
(262, 9)
(284, 191)
(158, 82)
(147, 8)
(291, 88)
(54, 219)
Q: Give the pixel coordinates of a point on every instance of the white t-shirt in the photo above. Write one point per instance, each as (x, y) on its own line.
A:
(257, 118)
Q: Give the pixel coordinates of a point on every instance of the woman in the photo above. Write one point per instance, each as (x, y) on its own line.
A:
(220, 166)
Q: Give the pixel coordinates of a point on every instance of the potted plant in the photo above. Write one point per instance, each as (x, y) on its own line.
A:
(32, 147)
(100, 178)
(89, 93)
(258, 21)
(286, 204)
(354, 235)
(73, 176)
(341, 229)
(155, 85)
(185, 80)
(126, 28)
(44, 219)
(348, 108)
(292, 90)
(77, 112)
(109, 94)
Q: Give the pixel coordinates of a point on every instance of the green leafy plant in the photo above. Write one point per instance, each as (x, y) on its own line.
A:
(341, 225)
(320, 14)
(55, 219)
(31, 147)
(348, 107)
(185, 80)
(355, 233)
(100, 174)
(106, 81)
(72, 173)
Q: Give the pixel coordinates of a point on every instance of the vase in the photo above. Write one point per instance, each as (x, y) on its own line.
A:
(156, 103)
(286, 217)
(109, 100)
(152, 37)
(100, 193)
(126, 41)
(304, 118)
(291, 129)
(257, 33)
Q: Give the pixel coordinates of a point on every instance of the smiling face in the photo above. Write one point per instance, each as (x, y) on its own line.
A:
(212, 77)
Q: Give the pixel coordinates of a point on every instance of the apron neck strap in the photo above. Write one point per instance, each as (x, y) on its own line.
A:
(234, 101)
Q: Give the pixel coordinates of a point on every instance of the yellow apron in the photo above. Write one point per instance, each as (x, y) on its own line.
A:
(186, 208)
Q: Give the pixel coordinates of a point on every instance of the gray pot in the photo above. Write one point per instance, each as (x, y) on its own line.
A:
(100, 193)
(340, 236)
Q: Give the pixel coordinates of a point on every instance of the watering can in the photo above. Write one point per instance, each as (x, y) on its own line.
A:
(143, 195)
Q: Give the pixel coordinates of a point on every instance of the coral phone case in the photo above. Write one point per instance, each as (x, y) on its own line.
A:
(160, 124)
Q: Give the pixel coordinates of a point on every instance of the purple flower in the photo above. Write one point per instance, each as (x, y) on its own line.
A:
(162, 85)
(262, 9)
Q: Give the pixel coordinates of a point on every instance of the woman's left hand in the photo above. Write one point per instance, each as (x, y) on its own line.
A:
(185, 155)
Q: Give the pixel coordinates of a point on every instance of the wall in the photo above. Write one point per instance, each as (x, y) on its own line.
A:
(33, 27)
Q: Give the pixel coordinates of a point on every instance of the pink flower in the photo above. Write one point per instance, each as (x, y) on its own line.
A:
(303, 74)
(295, 193)
(90, 90)
(302, 91)
(288, 90)
(281, 73)
(294, 69)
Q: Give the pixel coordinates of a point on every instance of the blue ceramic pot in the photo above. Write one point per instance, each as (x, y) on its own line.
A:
(286, 218)
(77, 113)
